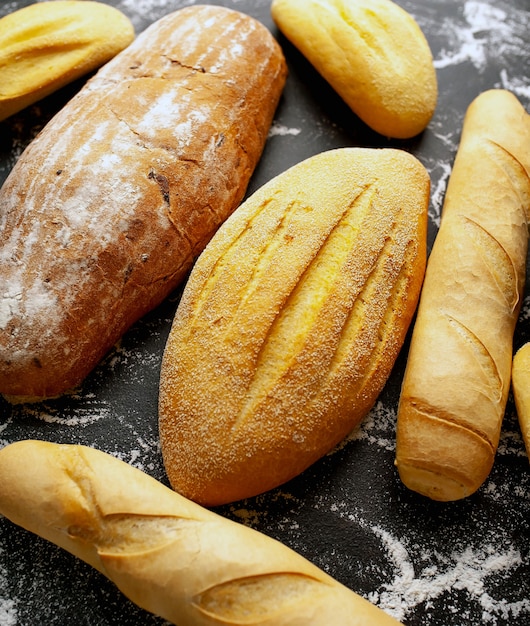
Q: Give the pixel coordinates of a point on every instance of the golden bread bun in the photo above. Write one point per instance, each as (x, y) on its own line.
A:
(47, 45)
(291, 322)
(373, 53)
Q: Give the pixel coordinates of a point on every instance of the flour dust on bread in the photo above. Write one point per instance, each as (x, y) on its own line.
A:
(168, 555)
(458, 372)
(107, 209)
(291, 321)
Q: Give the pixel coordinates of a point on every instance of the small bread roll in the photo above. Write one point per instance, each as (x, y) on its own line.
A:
(521, 391)
(168, 555)
(458, 372)
(291, 322)
(372, 53)
(47, 45)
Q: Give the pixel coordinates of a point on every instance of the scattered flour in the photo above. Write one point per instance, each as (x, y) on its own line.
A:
(8, 606)
(8, 7)
(434, 574)
(142, 11)
(467, 571)
(525, 309)
(8, 611)
(281, 130)
(377, 427)
(511, 443)
(438, 193)
(256, 517)
(517, 86)
(488, 32)
(87, 414)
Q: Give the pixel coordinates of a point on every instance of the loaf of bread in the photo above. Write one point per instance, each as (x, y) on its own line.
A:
(47, 45)
(372, 52)
(291, 322)
(458, 372)
(107, 209)
(521, 391)
(168, 555)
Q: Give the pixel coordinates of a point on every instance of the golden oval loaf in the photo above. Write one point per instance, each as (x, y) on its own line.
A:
(107, 209)
(47, 45)
(291, 322)
(372, 52)
(168, 555)
(458, 372)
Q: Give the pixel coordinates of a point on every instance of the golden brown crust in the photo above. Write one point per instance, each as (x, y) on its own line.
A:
(372, 52)
(165, 553)
(107, 209)
(291, 322)
(47, 45)
(458, 372)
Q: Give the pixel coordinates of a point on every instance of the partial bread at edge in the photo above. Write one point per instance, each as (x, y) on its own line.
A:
(521, 391)
(47, 45)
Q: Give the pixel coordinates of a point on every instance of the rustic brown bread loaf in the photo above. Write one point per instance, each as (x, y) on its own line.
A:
(107, 209)
(291, 322)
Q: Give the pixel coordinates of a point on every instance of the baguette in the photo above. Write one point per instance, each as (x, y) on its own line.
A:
(168, 555)
(521, 391)
(107, 209)
(291, 322)
(372, 52)
(458, 372)
(47, 45)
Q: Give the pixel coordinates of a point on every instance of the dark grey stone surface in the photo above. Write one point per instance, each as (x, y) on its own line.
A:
(428, 564)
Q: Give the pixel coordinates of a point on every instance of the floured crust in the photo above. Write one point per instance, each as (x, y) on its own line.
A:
(458, 372)
(165, 553)
(107, 209)
(373, 53)
(291, 322)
